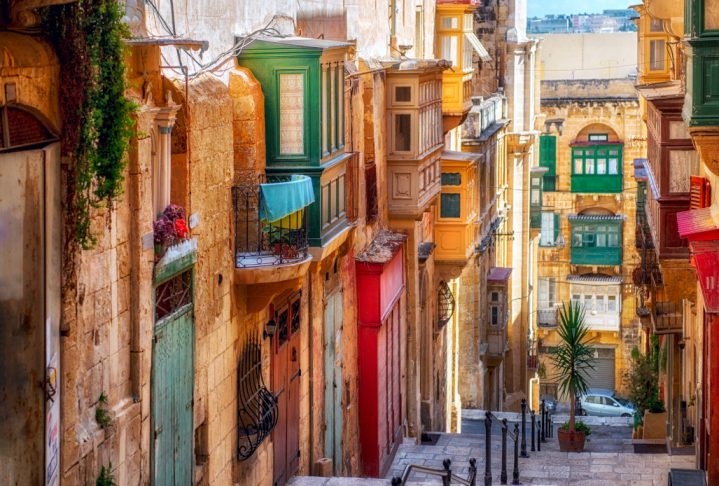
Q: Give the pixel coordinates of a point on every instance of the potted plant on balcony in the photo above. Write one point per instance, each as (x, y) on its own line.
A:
(572, 359)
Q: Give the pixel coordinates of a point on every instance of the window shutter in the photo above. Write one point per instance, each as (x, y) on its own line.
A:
(699, 193)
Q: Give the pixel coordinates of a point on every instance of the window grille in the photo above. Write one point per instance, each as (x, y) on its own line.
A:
(445, 303)
(173, 294)
(258, 412)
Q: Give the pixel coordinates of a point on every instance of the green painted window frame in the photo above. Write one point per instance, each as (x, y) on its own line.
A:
(306, 145)
(596, 242)
(694, 20)
(593, 176)
(548, 159)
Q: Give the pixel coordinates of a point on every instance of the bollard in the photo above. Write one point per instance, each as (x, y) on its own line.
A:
(503, 476)
(543, 409)
(534, 425)
(487, 449)
(396, 481)
(515, 472)
(524, 428)
(539, 442)
(447, 478)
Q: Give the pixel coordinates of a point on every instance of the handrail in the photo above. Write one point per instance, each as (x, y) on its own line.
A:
(446, 473)
(503, 425)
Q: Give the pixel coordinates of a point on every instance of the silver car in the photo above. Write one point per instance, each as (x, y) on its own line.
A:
(605, 403)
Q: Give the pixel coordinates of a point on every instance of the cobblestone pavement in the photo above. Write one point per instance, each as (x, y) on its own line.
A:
(608, 460)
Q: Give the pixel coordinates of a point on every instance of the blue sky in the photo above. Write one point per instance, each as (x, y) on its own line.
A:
(539, 8)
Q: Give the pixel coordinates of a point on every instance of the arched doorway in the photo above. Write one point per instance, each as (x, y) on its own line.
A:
(30, 259)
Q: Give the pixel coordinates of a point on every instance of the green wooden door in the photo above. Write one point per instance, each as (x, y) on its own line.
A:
(172, 386)
(333, 380)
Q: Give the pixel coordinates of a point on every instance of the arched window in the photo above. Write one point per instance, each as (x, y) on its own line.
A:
(21, 129)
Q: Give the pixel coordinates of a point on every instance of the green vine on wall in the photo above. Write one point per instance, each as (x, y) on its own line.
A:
(97, 118)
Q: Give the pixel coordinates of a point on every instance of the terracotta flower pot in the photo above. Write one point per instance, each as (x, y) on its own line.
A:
(571, 441)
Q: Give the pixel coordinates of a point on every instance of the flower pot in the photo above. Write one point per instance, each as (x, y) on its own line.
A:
(571, 441)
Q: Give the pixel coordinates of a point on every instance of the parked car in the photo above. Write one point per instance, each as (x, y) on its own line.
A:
(605, 403)
(550, 404)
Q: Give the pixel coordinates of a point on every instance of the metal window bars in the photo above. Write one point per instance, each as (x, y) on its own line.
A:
(258, 242)
(258, 411)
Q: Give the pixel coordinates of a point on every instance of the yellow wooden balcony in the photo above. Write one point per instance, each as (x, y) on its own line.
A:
(457, 43)
(456, 230)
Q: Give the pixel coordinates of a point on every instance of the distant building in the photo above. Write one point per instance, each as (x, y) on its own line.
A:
(609, 21)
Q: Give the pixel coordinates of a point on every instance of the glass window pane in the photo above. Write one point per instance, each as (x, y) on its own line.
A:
(450, 23)
(614, 166)
(656, 25)
(547, 231)
(292, 114)
(402, 132)
(612, 303)
(450, 206)
(656, 55)
(598, 137)
(613, 241)
(449, 48)
(578, 166)
(601, 240)
(403, 94)
(600, 307)
(451, 179)
(601, 166)
(589, 166)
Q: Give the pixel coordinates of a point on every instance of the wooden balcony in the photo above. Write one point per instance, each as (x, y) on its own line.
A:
(456, 231)
(496, 345)
(667, 317)
(456, 98)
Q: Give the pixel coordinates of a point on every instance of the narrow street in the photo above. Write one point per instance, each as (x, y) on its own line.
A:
(608, 459)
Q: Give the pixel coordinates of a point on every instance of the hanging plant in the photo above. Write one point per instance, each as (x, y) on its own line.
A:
(97, 118)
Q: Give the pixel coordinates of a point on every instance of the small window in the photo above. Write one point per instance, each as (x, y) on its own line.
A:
(449, 47)
(494, 297)
(656, 25)
(598, 137)
(578, 166)
(601, 166)
(495, 315)
(402, 132)
(450, 206)
(589, 166)
(613, 166)
(450, 23)
(451, 179)
(403, 94)
(656, 55)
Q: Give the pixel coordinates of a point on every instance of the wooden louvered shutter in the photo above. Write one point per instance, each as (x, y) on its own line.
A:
(699, 193)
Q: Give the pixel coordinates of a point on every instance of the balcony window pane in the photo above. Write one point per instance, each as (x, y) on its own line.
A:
(612, 303)
(589, 166)
(450, 23)
(402, 132)
(587, 302)
(449, 49)
(711, 15)
(403, 94)
(656, 55)
(614, 166)
(600, 307)
(324, 111)
(292, 114)
(547, 231)
(613, 240)
(451, 179)
(601, 240)
(588, 239)
(340, 106)
(450, 206)
(656, 25)
(578, 166)
(601, 166)
(468, 21)
(467, 55)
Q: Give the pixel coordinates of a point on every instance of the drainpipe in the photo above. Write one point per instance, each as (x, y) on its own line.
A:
(532, 381)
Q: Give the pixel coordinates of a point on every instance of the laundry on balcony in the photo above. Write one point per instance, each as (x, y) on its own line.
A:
(283, 203)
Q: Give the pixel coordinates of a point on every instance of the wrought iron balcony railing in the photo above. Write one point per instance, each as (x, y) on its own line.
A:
(260, 243)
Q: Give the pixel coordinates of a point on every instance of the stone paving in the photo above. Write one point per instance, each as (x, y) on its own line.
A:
(608, 460)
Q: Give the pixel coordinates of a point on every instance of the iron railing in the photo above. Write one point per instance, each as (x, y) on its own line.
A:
(259, 243)
(445, 474)
(258, 412)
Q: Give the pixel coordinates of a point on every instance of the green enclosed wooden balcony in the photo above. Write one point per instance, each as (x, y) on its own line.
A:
(596, 239)
(597, 168)
(701, 21)
(303, 83)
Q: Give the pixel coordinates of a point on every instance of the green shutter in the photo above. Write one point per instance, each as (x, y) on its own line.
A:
(450, 206)
(548, 153)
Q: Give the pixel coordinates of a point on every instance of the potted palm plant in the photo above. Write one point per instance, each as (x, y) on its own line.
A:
(572, 358)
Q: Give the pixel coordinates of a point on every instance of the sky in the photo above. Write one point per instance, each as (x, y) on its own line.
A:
(539, 8)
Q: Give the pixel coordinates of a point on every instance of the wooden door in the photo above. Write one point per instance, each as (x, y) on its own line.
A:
(286, 375)
(173, 382)
(30, 317)
(333, 380)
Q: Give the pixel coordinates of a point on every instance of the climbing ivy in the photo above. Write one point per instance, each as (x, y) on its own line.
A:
(97, 118)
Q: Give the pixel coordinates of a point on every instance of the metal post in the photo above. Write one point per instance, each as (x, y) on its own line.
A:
(524, 428)
(534, 426)
(515, 472)
(473, 472)
(447, 478)
(487, 449)
(539, 442)
(543, 409)
(396, 481)
(503, 476)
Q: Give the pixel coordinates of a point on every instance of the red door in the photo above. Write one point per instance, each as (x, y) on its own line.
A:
(286, 387)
